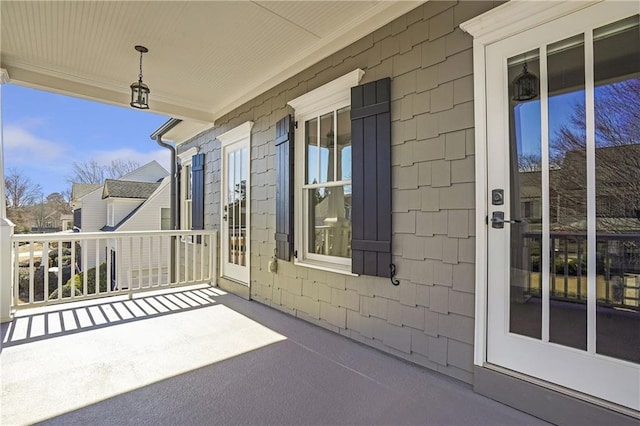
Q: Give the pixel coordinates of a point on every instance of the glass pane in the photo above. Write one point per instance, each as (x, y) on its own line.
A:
(617, 123)
(188, 188)
(567, 193)
(311, 166)
(330, 221)
(236, 209)
(230, 174)
(327, 148)
(525, 314)
(343, 144)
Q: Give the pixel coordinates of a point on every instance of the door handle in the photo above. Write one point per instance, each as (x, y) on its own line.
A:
(498, 220)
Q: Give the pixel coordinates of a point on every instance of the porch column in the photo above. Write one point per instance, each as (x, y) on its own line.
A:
(6, 229)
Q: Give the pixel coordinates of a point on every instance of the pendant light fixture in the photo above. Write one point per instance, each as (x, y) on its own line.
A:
(139, 90)
(525, 85)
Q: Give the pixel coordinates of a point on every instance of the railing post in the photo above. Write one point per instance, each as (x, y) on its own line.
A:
(6, 269)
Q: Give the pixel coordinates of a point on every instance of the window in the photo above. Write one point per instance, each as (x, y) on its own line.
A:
(326, 190)
(342, 173)
(165, 218)
(186, 188)
(323, 187)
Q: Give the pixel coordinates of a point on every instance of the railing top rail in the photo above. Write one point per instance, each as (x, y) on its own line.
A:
(583, 235)
(80, 236)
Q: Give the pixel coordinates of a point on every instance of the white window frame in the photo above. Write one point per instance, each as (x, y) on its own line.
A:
(165, 210)
(186, 183)
(330, 97)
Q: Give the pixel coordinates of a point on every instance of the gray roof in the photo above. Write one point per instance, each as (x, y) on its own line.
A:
(79, 190)
(126, 189)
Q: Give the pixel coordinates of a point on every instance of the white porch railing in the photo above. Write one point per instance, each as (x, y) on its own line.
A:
(64, 267)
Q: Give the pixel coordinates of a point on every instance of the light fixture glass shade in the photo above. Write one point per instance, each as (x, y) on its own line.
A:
(140, 95)
(525, 86)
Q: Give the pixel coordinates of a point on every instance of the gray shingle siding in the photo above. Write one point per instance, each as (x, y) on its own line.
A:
(428, 319)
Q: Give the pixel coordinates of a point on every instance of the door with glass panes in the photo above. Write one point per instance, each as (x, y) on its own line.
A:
(563, 120)
(234, 238)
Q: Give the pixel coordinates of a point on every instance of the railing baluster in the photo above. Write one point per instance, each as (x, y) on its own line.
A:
(72, 288)
(186, 259)
(116, 269)
(44, 263)
(16, 273)
(83, 270)
(140, 269)
(97, 273)
(177, 261)
(202, 248)
(159, 267)
(31, 273)
(60, 269)
(150, 262)
(109, 278)
(130, 269)
(194, 247)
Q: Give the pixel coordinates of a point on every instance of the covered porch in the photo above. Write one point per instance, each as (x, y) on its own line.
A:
(198, 355)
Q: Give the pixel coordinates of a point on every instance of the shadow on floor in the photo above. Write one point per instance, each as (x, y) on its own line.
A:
(61, 320)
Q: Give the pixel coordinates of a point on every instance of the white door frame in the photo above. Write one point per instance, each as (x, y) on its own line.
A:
(240, 135)
(498, 24)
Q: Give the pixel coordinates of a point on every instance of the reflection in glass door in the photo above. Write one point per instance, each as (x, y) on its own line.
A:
(569, 221)
(235, 211)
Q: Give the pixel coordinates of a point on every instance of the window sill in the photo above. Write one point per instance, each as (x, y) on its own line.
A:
(324, 266)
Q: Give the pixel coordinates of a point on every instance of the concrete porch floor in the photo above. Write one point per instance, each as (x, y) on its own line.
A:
(199, 356)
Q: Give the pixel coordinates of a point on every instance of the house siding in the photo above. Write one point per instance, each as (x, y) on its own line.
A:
(428, 318)
(94, 217)
(123, 207)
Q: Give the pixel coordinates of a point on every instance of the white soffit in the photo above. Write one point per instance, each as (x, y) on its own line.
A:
(185, 130)
(205, 58)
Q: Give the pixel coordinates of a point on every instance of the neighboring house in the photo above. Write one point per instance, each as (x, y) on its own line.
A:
(385, 176)
(66, 222)
(138, 201)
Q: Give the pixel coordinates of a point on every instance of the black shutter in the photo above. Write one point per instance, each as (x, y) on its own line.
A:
(197, 191)
(371, 164)
(77, 218)
(284, 187)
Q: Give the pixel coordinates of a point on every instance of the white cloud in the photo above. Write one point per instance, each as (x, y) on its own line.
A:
(161, 155)
(22, 147)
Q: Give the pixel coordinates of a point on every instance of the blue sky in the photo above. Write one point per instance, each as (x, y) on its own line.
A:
(44, 133)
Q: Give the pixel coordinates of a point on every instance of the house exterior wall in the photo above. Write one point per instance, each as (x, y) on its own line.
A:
(147, 217)
(123, 207)
(94, 217)
(429, 318)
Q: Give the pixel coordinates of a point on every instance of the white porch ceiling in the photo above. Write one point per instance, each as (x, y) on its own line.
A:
(205, 58)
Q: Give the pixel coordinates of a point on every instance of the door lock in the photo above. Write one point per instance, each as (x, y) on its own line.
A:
(497, 197)
(498, 220)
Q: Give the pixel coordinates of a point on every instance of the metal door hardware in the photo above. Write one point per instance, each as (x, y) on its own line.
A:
(497, 197)
(498, 220)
